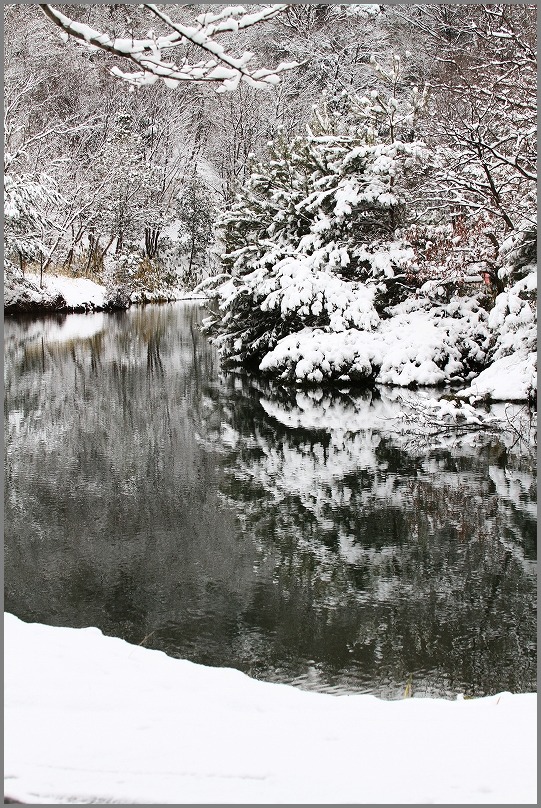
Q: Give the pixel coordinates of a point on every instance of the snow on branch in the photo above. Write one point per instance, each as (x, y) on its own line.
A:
(446, 421)
(220, 66)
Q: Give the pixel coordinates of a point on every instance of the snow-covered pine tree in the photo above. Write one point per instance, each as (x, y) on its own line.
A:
(310, 238)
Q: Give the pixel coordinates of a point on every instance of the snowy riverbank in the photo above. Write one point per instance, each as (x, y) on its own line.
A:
(420, 345)
(305, 326)
(423, 343)
(90, 718)
(60, 293)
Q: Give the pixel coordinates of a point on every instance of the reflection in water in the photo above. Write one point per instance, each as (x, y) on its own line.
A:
(295, 536)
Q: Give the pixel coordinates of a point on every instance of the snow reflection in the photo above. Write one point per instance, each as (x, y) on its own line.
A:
(310, 537)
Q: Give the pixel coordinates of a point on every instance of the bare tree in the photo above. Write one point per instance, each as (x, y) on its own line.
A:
(484, 103)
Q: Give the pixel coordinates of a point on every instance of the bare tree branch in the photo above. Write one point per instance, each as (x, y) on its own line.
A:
(147, 54)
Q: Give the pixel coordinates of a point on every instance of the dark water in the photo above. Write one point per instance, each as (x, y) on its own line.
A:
(292, 536)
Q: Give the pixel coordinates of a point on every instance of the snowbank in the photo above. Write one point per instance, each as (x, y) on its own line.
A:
(60, 293)
(514, 319)
(419, 344)
(79, 293)
(512, 374)
(22, 294)
(510, 378)
(90, 718)
(57, 292)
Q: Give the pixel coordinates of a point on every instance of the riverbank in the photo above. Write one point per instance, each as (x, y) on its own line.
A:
(58, 293)
(91, 718)
(419, 346)
(425, 343)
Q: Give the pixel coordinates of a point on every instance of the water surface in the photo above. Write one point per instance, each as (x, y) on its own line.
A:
(292, 535)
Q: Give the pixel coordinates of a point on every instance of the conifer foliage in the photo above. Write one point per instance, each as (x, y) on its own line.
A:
(310, 240)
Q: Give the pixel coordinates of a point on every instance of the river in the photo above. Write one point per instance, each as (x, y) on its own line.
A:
(291, 535)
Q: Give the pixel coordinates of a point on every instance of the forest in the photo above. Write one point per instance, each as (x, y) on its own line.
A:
(373, 176)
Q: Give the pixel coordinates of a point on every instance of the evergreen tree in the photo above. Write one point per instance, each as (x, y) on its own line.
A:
(310, 239)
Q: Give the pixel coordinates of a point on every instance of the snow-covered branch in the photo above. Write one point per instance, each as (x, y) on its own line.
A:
(427, 421)
(148, 55)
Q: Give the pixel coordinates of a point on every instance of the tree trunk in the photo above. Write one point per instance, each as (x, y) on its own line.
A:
(192, 256)
(96, 256)
(69, 259)
(106, 248)
(151, 242)
(90, 250)
(75, 239)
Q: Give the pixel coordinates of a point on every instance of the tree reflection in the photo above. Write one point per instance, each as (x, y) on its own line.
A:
(298, 537)
(414, 562)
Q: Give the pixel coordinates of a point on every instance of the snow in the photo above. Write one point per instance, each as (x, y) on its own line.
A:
(230, 11)
(56, 292)
(422, 342)
(417, 345)
(514, 319)
(510, 378)
(77, 292)
(90, 718)
(295, 288)
(148, 52)
(22, 294)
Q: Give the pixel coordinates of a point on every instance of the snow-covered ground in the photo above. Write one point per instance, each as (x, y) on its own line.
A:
(77, 292)
(92, 719)
(59, 292)
(510, 378)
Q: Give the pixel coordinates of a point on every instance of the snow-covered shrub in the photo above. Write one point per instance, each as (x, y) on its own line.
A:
(419, 344)
(426, 344)
(293, 296)
(513, 319)
(313, 356)
(298, 289)
(518, 253)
